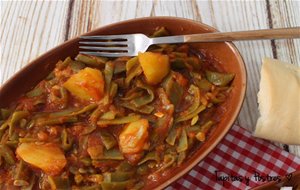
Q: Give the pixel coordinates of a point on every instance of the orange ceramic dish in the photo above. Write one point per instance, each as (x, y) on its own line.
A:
(109, 123)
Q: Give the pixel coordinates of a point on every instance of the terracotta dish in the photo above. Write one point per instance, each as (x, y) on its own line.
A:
(225, 53)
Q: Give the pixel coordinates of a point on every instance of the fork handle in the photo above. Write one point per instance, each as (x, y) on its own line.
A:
(281, 33)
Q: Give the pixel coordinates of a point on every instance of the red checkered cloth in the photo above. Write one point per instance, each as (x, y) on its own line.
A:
(240, 161)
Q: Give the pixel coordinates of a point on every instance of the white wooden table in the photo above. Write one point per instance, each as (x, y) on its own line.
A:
(30, 28)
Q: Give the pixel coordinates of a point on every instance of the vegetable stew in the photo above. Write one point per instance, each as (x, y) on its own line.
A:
(101, 123)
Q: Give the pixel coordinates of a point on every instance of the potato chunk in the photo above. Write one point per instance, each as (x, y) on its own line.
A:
(134, 137)
(87, 84)
(155, 66)
(47, 157)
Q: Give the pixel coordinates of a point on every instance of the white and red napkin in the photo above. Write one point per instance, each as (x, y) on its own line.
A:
(240, 161)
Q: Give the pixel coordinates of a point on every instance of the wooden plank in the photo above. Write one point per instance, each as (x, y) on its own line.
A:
(237, 16)
(88, 15)
(285, 14)
(30, 28)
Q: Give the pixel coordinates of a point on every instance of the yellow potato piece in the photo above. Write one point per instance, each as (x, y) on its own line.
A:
(134, 137)
(155, 66)
(87, 84)
(47, 157)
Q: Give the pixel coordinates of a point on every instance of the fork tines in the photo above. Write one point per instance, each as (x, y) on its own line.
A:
(106, 45)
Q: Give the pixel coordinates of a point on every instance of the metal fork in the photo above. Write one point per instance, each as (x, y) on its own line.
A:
(132, 44)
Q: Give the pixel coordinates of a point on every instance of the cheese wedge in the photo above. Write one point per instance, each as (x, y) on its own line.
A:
(279, 102)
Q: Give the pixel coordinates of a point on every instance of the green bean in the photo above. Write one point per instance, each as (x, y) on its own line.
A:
(89, 129)
(120, 82)
(194, 128)
(173, 89)
(119, 121)
(77, 66)
(146, 109)
(50, 76)
(181, 157)
(20, 183)
(21, 174)
(66, 140)
(40, 101)
(93, 187)
(220, 97)
(7, 154)
(85, 109)
(113, 90)
(112, 154)
(193, 108)
(183, 142)
(125, 167)
(169, 160)
(203, 84)
(136, 71)
(63, 64)
(62, 98)
(131, 63)
(132, 93)
(206, 126)
(120, 67)
(14, 136)
(12, 143)
(194, 62)
(143, 100)
(168, 48)
(143, 169)
(4, 125)
(172, 136)
(138, 186)
(195, 75)
(56, 120)
(86, 161)
(73, 170)
(4, 113)
(65, 116)
(35, 92)
(178, 63)
(160, 32)
(115, 185)
(117, 176)
(109, 115)
(194, 120)
(23, 123)
(57, 182)
(150, 156)
(191, 115)
(91, 60)
(108, 140)
(15, 118)
(108, 73)
(219, 79)
(65, 112)
(96, 114)
(31, 183)
(180, 54)
(156, 49)
(82, 170)
(133, 69)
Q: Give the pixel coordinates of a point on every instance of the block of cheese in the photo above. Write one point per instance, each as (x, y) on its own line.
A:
(279, 102)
